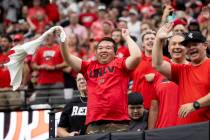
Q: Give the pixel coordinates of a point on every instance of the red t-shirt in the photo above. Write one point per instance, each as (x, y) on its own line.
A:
(107, 90)
(4, 72)
(123, 51)
(52, 12)
(50, 56)
(87, 19)
(194, 83)
(139, 82)
(167, 96)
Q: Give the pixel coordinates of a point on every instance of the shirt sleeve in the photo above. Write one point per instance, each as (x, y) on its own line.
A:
(121, 64)
(84, 68)
(175, 72)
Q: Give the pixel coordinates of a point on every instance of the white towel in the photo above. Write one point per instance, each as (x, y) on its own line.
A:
(15, 65)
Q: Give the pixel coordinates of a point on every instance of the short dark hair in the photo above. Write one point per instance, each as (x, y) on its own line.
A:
(135, 98)
(110, 40)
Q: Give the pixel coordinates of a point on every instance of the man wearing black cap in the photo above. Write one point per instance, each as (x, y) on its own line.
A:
(137, 113)
(193, 79)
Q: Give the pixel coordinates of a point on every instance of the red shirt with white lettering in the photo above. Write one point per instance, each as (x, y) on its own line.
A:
(49, 56)
(167, 96)
(107, 90)
(194, 83)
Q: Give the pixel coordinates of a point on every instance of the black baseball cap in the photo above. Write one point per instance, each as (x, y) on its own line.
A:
(194, 37)
(135, 98)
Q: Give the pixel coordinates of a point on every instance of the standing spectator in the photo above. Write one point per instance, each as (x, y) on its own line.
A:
(49, 63)
(88, 16)
(9, 99)
(137, 113)
(144, 74)
(164, 106)
(108, 27)
(194, 94)
(125, 15)
(72, 120)
(17, 41)
(146, 25)
(52, 11)
(179, 26)
(96, 28)
(107, 80)
(11, 9)
(122, 50)
(76, 28)
(122, 24)
(134, 24)
(37, 17)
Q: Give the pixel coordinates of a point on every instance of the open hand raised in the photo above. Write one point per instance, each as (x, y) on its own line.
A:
(164, 31)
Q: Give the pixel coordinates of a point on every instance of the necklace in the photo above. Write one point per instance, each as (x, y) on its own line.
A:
(82, 100)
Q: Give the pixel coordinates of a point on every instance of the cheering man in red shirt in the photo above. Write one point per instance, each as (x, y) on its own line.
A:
(164, 105)
(193, 79)
(107, 81)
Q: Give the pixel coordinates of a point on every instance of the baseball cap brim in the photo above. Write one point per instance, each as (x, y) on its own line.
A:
(193, 37)
(186, 41)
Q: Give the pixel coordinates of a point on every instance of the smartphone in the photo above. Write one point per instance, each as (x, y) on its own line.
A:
(171, 17)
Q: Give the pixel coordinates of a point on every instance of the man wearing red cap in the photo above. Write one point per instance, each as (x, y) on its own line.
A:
(179, 26)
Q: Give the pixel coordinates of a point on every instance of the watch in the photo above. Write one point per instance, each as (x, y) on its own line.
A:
(196, 105)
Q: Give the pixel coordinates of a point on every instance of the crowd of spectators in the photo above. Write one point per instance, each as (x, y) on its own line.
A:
(85, 23)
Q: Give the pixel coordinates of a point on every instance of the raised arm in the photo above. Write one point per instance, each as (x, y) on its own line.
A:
(135, 54)
(158, 62)
(71, 60)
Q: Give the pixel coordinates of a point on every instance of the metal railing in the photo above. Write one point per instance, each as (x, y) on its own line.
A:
(28, 99)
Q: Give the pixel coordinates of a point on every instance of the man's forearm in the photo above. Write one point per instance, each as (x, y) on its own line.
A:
(134, 49)
(135, 54)
(62, 132)
(61, 66)
(71, 60)
(153, 114)
(157, 54)
(204, 101)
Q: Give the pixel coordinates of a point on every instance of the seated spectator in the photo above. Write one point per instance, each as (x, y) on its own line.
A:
(137, 113)
(72, 121)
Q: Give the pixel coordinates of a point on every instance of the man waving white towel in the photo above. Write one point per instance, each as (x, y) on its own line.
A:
(15, 65)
